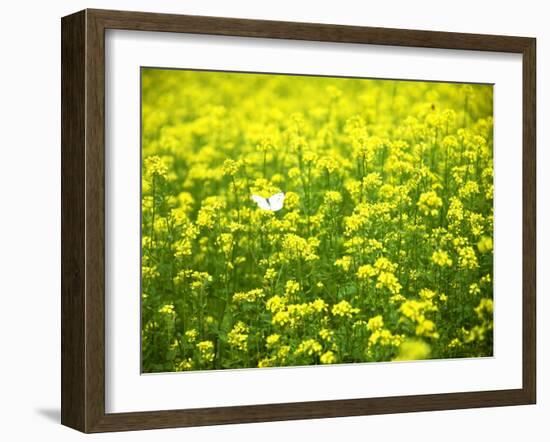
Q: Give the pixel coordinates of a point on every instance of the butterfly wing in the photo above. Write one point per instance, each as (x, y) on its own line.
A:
(276, 201)
(262, 203)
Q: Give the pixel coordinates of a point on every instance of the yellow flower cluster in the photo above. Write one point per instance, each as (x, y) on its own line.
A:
(429, 203)
(416, 311)
(295, 248)
(344, 263)
(309, 347)
(366, 272)
(206, 350)
(441, 258)
(292, 287)
(167, 309)
(375, 323)
(467, 258)
(328, 357)
(344, 309)
(413, 349)
(293, 315)
(273, 339)
(191, 335)
(238, 336)
(250, 296)
(231, 167)
(485, 244)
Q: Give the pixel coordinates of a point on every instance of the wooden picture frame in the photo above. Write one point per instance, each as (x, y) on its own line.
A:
(83, 220)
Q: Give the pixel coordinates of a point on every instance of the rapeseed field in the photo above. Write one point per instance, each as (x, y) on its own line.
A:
(299, 220)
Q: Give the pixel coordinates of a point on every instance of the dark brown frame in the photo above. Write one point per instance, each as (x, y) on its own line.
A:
(83, 215)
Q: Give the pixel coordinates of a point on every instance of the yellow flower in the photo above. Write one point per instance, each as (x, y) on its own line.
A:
(292, 201)
(292, 287)
(281, 318)
(328, 357)
(149, 272)
(344, 263)
(225, 242)
(389, 281)
(385, 338)
(266, 143)
(485, 244)
(427, 328)
(397, 298)
(283, 352)
(366, 272)
(206, 349)
(427, 294)
(295, 248)
(384, 264)
(270, 275)
(416, 310)
(441, 258)
(250, 296)
(344, 309)
(375, 323)
(429, 203)
(455, 212)
(485, 308)
(454, 343)
(267, 362)
(332, 198)
(167, 309)
(372, 181)
(326, 335)
(467, 258)
(309, 347)
(200, 279)
(186, 364)
(155, 166)
(413, 349)
(191, 335)
(231, 167)
(272, 340)
(474, 289)
(238, 336)
(328, 164)
(485, 279)
(294, 172)
(477, 224)
(468, 189)
(276, 304)
(318, 305)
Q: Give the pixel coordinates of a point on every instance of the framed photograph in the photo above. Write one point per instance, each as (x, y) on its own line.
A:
(269, 220)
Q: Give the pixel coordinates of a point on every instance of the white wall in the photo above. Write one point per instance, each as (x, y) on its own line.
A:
(30, 216)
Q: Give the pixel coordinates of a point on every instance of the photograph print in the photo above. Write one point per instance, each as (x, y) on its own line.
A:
(293, 220)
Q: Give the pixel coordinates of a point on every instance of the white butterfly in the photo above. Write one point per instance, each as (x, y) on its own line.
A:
(273, 203)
